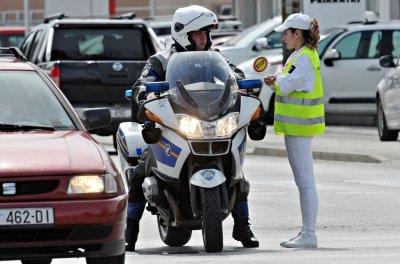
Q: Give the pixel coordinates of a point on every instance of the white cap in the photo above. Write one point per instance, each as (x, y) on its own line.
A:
(297, 21)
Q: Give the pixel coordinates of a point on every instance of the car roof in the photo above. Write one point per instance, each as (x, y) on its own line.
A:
(13, 59)
(392, 24)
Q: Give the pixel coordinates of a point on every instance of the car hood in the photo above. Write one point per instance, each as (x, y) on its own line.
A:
(48, 153)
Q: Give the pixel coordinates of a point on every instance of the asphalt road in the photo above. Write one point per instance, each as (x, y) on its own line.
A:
(359, 216)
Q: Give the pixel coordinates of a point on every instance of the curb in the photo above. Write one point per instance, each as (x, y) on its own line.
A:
(318, 155)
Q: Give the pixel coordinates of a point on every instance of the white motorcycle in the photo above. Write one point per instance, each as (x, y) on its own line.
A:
(195, 138)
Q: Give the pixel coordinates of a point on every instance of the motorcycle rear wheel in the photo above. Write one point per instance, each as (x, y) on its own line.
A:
(173, 236)
(211, 220)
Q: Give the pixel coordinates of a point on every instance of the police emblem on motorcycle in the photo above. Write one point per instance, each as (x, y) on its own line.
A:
(208, 174)
(167, 150)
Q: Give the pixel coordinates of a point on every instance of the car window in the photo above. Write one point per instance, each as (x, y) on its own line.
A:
(348, 46)
(274, 40)
(27, 100)
(100, 43)
(27, 44)
(11, 40)
(374, 50)
(327, 39)
(396, 43)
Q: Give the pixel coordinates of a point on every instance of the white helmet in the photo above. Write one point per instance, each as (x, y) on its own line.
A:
(192, 18)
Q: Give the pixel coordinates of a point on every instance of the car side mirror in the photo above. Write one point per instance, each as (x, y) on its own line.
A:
(94, 118)
(387, 61)
(331, 56)
(260, 44)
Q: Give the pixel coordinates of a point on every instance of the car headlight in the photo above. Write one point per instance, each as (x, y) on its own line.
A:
(193, 128)
(80, 184)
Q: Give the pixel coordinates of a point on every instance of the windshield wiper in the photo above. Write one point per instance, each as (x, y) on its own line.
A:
(18, 127)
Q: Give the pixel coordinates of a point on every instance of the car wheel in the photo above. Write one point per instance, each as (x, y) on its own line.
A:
(36, 261)
(385, 134)
(120, 259)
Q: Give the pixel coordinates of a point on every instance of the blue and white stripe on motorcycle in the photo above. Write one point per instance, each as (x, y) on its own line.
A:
(242, 150)
(121, 141)
(166, 152)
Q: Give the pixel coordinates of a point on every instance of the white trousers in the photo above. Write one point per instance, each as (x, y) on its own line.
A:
(301, 161)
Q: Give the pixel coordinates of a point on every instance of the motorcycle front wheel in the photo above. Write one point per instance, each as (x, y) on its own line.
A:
(211, 220)
(173, 236)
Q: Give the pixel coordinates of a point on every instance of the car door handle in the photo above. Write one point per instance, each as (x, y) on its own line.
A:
(373, 68)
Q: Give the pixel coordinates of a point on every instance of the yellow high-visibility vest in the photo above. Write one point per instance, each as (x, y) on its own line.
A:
(301, 113)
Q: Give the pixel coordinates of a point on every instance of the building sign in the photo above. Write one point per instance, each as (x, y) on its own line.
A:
(332, 13)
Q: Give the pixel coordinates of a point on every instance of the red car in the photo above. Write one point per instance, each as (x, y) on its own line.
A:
(61, 195)
(11, 36)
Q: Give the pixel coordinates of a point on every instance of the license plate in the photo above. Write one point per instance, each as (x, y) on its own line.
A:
(26, 216)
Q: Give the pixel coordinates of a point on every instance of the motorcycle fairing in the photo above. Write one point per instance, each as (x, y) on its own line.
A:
(207, 178)
(162, 108)
(164, 162)
(238, 152)
(242, 151)
(166, 152)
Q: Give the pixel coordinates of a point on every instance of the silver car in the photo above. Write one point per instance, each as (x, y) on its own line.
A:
(388, 100)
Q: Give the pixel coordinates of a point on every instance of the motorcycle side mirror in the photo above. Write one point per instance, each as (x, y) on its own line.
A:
(257, 130)
(249, 84)
(150, 133)
(157, 87)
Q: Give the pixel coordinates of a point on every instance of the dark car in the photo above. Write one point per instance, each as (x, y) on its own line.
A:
(93, 60)
(61, 195)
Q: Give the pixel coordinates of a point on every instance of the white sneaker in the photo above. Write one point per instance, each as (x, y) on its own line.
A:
(283, 243)
(303, 241)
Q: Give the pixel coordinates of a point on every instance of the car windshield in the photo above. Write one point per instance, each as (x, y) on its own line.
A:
(202, 83)
(26, 100)
(99, 44)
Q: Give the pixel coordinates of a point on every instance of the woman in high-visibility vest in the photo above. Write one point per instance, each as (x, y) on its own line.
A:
(299, 115)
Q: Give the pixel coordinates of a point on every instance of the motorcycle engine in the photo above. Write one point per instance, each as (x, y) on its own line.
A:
(150, 189)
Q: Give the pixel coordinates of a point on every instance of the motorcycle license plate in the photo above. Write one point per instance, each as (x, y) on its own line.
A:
(26, 216)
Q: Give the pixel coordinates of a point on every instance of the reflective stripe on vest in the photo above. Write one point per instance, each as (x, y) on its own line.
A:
(300, 121)
(299, 101)
(301, 113)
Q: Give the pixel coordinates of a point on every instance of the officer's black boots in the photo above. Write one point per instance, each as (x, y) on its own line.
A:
(242, 232)
(131, 234)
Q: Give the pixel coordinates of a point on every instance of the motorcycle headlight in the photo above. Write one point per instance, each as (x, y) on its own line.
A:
(81, 184)
(193, 128)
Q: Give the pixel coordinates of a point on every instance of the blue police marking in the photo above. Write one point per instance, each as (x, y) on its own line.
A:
(166, 152)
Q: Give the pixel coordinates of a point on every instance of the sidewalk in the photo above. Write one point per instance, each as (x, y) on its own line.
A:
(340, 143)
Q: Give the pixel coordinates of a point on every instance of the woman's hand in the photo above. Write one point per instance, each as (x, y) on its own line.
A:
(269, 79)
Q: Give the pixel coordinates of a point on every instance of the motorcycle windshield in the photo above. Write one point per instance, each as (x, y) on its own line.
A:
(202, 83)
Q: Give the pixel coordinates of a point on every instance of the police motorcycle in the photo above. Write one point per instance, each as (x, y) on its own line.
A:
(195, 137)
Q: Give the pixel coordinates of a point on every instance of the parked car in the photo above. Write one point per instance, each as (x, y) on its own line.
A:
(257, 40)
(61, 195)
(388, 99)
(350, 67)
(228, 27)
(93, 60)
(11, 36)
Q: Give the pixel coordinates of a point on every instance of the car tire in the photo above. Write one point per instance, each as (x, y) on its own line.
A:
(385, 134)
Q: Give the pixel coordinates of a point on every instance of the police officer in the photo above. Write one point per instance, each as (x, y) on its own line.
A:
(191, 32)
(299, 115)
